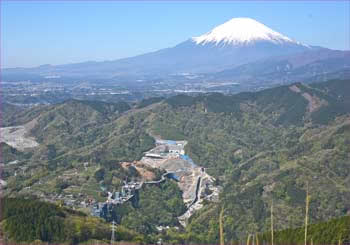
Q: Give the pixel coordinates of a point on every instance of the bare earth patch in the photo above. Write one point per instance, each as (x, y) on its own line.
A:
(141, 168)
(17, 136)
(294, 88)
(192, 179)
(314, 102)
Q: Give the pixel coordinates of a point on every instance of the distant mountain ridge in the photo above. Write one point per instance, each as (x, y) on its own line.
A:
(292, 68)
(236, 42)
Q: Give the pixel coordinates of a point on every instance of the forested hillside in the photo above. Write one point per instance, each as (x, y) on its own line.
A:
(261, 147)
(29, 220)
(334, 231)
(265, 147)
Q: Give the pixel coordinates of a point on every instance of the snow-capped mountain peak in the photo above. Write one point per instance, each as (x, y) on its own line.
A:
(240, 31)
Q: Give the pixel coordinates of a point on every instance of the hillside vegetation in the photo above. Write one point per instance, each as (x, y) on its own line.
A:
(29, 220)
(334, 231)
(261, 147)
(265, 147)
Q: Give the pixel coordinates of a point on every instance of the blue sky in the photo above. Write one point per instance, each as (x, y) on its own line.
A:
(35, 33)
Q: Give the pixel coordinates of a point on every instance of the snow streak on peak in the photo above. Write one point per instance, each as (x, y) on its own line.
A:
(239, 31)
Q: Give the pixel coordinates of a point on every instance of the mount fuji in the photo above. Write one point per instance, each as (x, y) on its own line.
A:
(236, 42)
(242, 31)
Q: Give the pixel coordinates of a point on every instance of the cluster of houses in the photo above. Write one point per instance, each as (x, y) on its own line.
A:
(126, 193)
(165, 149)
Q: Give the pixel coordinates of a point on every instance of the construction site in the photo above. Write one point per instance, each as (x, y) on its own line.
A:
(193, 180)
(169, 156)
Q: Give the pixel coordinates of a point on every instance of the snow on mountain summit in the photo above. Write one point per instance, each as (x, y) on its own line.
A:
(241, 31)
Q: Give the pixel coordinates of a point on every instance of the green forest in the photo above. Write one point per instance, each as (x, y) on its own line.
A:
(29, 220)
(261, 147)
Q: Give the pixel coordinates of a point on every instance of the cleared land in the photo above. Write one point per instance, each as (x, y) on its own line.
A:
(192, 179)
(17, 136)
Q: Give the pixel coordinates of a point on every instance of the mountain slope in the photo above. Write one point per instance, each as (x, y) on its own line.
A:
(30, 221)
(300, 67)
(242, 31)
(236, 42)
(260, 147)
(266, 146)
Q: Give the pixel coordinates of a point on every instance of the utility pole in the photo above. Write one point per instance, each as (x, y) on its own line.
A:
(113, 226)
